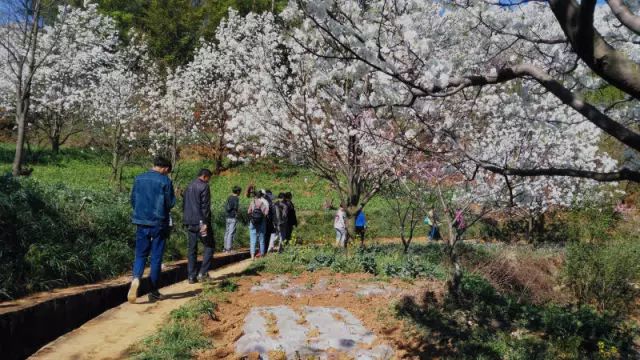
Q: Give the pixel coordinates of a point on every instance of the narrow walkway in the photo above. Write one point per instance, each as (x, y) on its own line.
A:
(111, 334)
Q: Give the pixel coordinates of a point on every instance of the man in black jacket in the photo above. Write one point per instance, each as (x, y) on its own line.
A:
(197, 219)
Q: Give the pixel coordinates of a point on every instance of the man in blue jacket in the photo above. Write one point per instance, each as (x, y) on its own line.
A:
(152, 198)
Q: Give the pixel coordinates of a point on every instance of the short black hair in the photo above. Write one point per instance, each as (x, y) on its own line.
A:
(288, 195)
(281, 195)
(236, 190)
(205, 172)
(163, 162)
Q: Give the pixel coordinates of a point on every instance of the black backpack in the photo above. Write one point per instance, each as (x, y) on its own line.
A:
(257, 216)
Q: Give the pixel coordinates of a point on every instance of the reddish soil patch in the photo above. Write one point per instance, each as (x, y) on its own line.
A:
(374, 311)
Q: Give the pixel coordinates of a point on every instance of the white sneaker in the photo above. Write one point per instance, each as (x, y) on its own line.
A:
(133, 290)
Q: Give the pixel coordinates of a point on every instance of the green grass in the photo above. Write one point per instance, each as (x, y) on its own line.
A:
(87, 170)
(385, 261)
(183, 334)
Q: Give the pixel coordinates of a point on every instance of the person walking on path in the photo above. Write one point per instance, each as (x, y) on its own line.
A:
(269, 228)
(152, 198)
(258, 211)
(279, 217)
(292, 219)
(340, 225)
(231, 208)
(197, 220)
(361, 225)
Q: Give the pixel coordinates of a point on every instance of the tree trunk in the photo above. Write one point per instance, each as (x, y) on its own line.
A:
(21, 121)
(218, 168)
(115, 155)
(456, 275)
(55, 144)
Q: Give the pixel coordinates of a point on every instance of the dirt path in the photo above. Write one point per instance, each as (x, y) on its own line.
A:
(111, 334)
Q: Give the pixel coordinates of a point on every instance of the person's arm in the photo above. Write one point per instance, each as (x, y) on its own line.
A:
(236, 204)
(265, 207)
(133, 195)
(205, 204)
(169, 196)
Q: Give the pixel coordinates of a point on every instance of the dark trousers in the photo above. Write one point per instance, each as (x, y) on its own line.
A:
(193, 233)
(150, 240)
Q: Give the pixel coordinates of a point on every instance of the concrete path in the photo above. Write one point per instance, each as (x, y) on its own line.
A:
(110, 335)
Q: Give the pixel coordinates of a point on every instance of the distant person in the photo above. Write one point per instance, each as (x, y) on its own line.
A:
(152, 198)
(361, 225)
(197, 220)
(432, 221)
(269, 228)
(258, 211)
(340, 225)
(292, 219)
(458, 221)
(231, 208)
(279, 217)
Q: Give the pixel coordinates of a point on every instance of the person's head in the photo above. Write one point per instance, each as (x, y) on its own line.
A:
(281, 196)
(343, 205)
(204, 175)
(236, 190)
(268, 192)
(250, 190)
(162, 165)
(288, 195)
(258, 194)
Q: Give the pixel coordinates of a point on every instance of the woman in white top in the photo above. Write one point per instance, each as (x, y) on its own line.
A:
(340, 224)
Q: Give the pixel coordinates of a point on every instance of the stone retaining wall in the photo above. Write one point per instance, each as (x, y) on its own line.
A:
(28, 328)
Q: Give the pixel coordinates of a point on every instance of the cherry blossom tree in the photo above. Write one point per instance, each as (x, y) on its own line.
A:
(120, 101)
(86, 47)
(425, 53)
(23, 52)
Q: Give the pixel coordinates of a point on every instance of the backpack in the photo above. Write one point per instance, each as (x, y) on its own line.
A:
(257, 216)
(427, 221)
(283, 213)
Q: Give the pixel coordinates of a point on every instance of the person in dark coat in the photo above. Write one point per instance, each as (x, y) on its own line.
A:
(197, 220)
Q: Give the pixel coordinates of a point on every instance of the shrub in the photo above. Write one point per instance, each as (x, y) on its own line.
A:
(51, 236)
(604, 274)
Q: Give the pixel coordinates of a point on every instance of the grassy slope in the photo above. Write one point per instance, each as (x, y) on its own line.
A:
(83, 170)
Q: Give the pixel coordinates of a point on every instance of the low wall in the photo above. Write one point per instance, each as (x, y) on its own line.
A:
(28, 328)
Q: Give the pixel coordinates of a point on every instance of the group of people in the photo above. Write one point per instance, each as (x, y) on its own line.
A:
(340, 225)
(271, 221)
(431, 220)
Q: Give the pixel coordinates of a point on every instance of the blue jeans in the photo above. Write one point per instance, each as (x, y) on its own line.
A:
(229, 233)
(434, 234)
(256, 234)
(150, 240)
(193, 232)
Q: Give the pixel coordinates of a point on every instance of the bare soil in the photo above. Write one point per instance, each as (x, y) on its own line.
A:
(324, 289)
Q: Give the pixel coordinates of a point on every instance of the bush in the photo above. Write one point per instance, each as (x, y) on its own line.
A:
(51, 236)
(490, 325)
(604, 274)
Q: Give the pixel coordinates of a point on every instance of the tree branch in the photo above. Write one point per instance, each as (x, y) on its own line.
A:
(624, 15)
